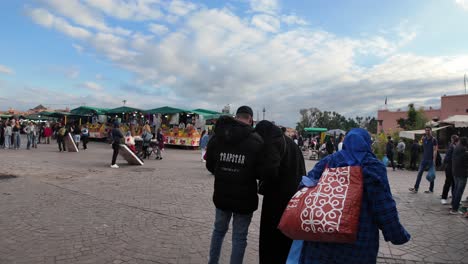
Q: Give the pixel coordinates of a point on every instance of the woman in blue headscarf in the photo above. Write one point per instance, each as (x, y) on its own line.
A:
(378, 209)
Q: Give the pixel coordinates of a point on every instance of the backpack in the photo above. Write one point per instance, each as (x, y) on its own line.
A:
(62, 131)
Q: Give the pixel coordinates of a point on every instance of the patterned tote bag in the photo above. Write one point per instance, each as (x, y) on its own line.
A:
(329, 211)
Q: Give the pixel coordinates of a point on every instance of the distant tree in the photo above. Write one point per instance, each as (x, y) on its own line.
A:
(308, 118)
(415, 119)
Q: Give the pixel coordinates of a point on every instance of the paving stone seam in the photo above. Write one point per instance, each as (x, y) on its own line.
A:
(192, 221)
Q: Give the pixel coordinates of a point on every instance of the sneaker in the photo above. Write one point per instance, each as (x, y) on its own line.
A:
(413, 190)
(428, 191)
(443, 201)
(115, 166)
(453, 212)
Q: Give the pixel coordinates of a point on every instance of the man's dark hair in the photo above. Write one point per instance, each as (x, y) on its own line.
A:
(243, 115)
(428, 127)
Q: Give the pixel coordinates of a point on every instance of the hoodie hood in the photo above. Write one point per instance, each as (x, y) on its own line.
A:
(231, 130)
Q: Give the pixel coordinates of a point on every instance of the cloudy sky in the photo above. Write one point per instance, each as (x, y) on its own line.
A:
(344, 56)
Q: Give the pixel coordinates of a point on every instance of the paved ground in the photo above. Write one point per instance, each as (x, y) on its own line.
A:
(72, 208)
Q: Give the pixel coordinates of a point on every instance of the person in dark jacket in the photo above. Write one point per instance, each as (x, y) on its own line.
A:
(460, 173)
(414, 154)
(232, 156)
(282, 169)
(117, 137)
(389, 151)
(448, 169)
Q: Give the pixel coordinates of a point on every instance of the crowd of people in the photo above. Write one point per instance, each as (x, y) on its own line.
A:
(239, 155)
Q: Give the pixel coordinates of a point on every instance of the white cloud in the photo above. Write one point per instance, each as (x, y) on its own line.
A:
(138, 10)
(181, 8)
(92, 86)
(84, 15)
(293, 20)
(216, 56)
(266, 23)
(73, 73)
(462, 3)
(6, 70)
(265, 6)
(78, 48)
(46, 19)
(158, 29)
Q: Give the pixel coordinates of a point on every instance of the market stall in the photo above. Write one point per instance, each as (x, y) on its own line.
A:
(179, 126)
(95, 118)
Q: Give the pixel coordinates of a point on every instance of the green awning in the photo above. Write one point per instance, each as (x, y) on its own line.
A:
(123, 109)
(88, 110)
(315, 129)
(206, 111)
(6, 116)
(167, 110)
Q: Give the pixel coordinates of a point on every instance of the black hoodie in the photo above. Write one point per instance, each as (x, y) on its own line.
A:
(232, 156)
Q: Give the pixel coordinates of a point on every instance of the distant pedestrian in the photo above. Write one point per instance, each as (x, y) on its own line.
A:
(8, 133)
(203, 144)
(117, 137)
(47, 133)
(429, 160)
(414, 154)
(76, 135)
(16, 135)
(85, 136)
(389, 151)
(460, 173)
(160, 138)
(61, 133)
(2, 134)
(448, 169)
(401, 147)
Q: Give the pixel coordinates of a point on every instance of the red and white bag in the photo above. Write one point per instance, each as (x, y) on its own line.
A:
(327, 212)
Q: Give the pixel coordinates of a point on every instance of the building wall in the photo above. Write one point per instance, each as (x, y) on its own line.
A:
(454, 105)
(450, 105)
(388, 119)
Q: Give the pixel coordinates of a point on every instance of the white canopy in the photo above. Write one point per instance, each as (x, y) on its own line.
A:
(457, 120)
(411, 134)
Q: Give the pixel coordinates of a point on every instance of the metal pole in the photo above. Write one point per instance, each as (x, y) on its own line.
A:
(465, 82)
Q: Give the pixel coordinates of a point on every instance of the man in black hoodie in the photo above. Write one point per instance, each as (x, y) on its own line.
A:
(233, 157)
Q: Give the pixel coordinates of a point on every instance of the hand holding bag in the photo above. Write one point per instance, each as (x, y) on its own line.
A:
(329, 211)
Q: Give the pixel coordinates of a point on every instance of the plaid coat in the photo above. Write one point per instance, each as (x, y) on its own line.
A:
(378, 212)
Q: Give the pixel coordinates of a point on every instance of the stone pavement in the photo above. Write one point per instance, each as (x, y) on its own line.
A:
(73, 208)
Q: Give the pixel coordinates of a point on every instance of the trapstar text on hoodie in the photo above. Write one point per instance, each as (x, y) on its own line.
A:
(232, 158)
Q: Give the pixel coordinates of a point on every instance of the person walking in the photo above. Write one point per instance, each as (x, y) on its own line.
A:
(414, 154)
(76, 135)
(389, 151)
(47, 133)
(61, 133)
(428, 161)
(2, 134)
(117, 137)
(282, 168)
(203, 144)
(401, 147)
(8, 133)
(16, 135)
(85, 136)
(232, 156)
(378, 208)
(448, 169)
(160, 147)
(460, 173)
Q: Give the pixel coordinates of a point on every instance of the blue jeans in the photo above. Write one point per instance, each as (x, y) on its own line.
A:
(240, 229)
(31, 141)
(7, 141)
(424, 164)
(459, 184)
(16, 140)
